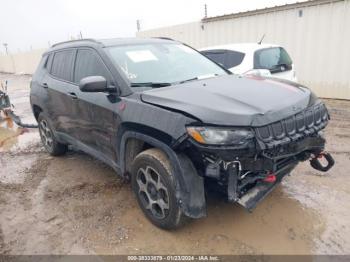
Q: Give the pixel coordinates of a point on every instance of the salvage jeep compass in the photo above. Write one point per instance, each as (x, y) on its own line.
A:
(174, 122)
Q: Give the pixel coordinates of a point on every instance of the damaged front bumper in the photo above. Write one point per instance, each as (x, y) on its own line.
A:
(251, 198)
(247, 175)
(249, 178)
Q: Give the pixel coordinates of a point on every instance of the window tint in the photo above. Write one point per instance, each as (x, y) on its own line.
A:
(275, 59)
(233, 58)
(226, 58)
(62, 65)
(216, 55)
(88, 63)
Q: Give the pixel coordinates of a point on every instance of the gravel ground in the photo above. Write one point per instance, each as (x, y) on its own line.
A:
(77, 205)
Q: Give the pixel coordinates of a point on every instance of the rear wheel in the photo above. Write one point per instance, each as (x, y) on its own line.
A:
(154, 186)
(52, 146)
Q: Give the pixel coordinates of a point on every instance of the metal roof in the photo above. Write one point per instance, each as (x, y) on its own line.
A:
(270, 10)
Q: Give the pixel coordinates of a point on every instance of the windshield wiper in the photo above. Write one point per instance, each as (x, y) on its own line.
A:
(189, 80)
(151, 84)
(197, 78)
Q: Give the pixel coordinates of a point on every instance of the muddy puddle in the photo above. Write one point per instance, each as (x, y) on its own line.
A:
(77, 205)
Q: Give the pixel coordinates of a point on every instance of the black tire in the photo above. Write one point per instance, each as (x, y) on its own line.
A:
(52, 146)
(165, 212)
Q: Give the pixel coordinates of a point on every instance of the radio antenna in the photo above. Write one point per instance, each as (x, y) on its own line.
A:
(262, 38)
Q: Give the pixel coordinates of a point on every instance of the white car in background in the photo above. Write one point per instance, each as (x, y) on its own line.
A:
(253, 58)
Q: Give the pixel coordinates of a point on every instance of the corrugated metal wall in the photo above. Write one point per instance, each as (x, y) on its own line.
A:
(318, 40)
(21, 63)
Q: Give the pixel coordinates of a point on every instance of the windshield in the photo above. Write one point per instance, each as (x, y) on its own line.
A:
(275, 59)
(162, 63)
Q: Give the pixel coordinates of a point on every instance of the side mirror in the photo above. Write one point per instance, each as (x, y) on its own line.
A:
(93, 84)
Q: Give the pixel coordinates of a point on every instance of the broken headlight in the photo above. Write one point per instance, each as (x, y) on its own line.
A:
(220, 135)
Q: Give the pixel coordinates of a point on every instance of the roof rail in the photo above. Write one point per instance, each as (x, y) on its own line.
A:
(163, 37)
(75, 40)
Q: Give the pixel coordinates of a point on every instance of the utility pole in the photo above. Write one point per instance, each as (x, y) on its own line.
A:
(6, 50)
(205, 11)
(138, 26)
(7, 53)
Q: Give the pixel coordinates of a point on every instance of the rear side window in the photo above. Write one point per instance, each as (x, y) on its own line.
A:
(48, 62)
(62, 64)
(218, 56)
(227, 58)
(233, 58)
(275, 59)
(89, 63)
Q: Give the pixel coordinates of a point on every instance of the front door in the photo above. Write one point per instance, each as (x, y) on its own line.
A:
(98, 124)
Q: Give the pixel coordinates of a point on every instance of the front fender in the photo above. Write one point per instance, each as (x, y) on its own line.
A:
(189, 185)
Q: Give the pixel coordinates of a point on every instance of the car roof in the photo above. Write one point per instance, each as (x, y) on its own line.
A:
(107, 42)
(240, 47)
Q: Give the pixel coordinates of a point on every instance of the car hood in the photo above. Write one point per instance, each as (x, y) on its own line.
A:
(233, 100)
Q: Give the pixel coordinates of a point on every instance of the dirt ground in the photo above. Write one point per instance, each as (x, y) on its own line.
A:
(77, 205)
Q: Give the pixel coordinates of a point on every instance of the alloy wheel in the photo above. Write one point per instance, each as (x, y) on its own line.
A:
(152, 192)
(46, 134)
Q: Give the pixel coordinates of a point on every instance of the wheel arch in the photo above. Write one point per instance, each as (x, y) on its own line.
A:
(36, 110)
(189, 186)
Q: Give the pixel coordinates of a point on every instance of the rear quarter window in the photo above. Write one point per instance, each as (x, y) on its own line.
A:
(48, 62)
(62, 64)
(275, 59)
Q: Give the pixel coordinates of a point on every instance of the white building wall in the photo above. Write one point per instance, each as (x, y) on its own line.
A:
(318, 42)
(21, 63)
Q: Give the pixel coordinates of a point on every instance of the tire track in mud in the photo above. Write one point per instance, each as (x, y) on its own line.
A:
(2, 243)
(16, 204)
(83, 190)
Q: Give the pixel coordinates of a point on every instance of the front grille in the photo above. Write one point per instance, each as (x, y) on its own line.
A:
(294, 128)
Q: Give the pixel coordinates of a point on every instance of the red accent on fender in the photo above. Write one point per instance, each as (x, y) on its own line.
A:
(289, 87)
(255, 77)
(122, 106)
(270, 179)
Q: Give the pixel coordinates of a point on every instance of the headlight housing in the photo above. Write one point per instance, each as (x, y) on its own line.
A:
(220, 135)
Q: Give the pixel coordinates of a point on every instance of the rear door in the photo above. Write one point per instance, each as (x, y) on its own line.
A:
(98, 123)
(61, 99)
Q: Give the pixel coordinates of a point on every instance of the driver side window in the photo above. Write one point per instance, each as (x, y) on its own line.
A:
(88, 63)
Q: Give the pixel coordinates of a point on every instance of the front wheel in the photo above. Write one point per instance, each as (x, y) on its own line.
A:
(154, 186)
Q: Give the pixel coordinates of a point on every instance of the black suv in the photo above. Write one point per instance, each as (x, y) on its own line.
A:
(174, 122)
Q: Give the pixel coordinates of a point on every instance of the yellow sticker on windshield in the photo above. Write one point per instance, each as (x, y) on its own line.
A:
(141, 56)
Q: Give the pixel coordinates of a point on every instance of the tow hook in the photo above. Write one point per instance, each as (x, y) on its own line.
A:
(270, 178)
(316, 164)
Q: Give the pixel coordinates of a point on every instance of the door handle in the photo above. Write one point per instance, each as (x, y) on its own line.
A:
(73, 95)
(44, 85)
